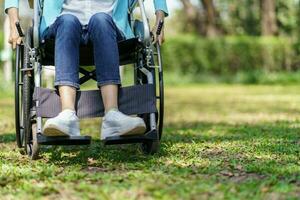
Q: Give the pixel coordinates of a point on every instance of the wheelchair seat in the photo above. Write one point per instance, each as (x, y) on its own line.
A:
(127, 52)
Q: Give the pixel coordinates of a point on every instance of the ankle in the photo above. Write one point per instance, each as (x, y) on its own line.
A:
(68, 110)
(111, 109)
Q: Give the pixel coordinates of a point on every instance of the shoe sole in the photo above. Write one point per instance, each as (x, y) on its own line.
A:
(140, 130)
(54, 131)
(136, 131)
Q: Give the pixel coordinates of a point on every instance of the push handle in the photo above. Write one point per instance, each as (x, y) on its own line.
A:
(21, 34)
(159, 27)
(19, 29)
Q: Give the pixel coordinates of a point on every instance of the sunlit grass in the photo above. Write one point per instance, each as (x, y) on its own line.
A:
(220, 142)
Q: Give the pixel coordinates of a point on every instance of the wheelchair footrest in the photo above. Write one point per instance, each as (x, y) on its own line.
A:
(73, 140)
(151, 135)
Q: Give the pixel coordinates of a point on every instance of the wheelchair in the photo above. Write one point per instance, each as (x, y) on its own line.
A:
(33, 103)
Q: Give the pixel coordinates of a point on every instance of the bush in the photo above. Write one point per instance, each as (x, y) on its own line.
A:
(228, 55)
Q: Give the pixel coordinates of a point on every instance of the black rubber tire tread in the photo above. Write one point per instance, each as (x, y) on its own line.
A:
(161, 102)
(35, 148)
(27, 91)
(26, 98)
(18, 108)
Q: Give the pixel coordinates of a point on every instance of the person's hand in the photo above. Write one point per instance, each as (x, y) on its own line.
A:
(160, 15)
(14, 37)
(158, 38)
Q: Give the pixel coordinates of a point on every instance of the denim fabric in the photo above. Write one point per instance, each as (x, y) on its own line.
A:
(69, 34)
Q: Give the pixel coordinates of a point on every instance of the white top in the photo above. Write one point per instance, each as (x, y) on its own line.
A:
(85, 9)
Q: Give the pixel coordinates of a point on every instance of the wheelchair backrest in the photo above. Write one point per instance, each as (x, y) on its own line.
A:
(137, 26)
(132, 4)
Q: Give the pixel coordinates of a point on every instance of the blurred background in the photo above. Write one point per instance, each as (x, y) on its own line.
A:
(248, 41)
(224, 41)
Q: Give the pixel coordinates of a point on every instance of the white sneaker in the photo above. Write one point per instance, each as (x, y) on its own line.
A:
(116, 123)
(65, 124)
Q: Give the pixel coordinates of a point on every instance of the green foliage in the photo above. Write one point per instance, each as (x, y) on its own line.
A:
(244, 17)
(240, 17)
(287, 16)
(228, 55)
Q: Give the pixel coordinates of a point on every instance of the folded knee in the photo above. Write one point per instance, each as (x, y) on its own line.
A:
(69, 21)
(101, 20)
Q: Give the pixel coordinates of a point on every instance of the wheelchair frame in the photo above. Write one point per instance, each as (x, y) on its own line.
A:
(28, 78)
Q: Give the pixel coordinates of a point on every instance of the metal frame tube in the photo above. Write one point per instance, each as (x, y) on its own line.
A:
(36, 23)
(38, 83)
(150, 80)
(147, 37)
(36, 43)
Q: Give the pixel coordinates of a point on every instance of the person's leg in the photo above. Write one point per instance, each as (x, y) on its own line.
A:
(67, 97)
(110, 97)
(67, 33)
(105, 35)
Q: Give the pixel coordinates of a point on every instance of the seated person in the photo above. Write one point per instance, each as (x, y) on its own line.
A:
(76, 22)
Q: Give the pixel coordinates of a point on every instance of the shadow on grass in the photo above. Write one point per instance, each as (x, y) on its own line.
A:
(281, 138)
(7, 138)
(211, 132)
(116, 154)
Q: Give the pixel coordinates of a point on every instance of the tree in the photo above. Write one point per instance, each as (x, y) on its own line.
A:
(268, 17)
(212, 18)
(193, 18)
(204, 18)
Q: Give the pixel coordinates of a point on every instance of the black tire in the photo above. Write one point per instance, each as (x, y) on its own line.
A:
(33, 147)
(161, 101)
(18, 98)
(27, 99)
(25, 94)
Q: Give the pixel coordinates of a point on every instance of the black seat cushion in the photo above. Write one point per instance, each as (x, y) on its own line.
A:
(127, 51)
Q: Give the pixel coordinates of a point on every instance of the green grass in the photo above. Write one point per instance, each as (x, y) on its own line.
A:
(220, 142)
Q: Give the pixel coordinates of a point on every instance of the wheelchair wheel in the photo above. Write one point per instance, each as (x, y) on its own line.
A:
(18, 98)
(161, 94)
(24, 98)
(32, 147)
(27, 104)
(152, 147)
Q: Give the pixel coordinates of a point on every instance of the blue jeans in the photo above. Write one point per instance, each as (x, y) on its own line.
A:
(69, 34)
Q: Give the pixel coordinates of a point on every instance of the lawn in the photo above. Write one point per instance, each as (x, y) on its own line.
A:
(220, 142)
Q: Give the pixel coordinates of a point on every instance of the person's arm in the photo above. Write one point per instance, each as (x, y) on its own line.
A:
(161, 13)
(11, 8)
(14, 37)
